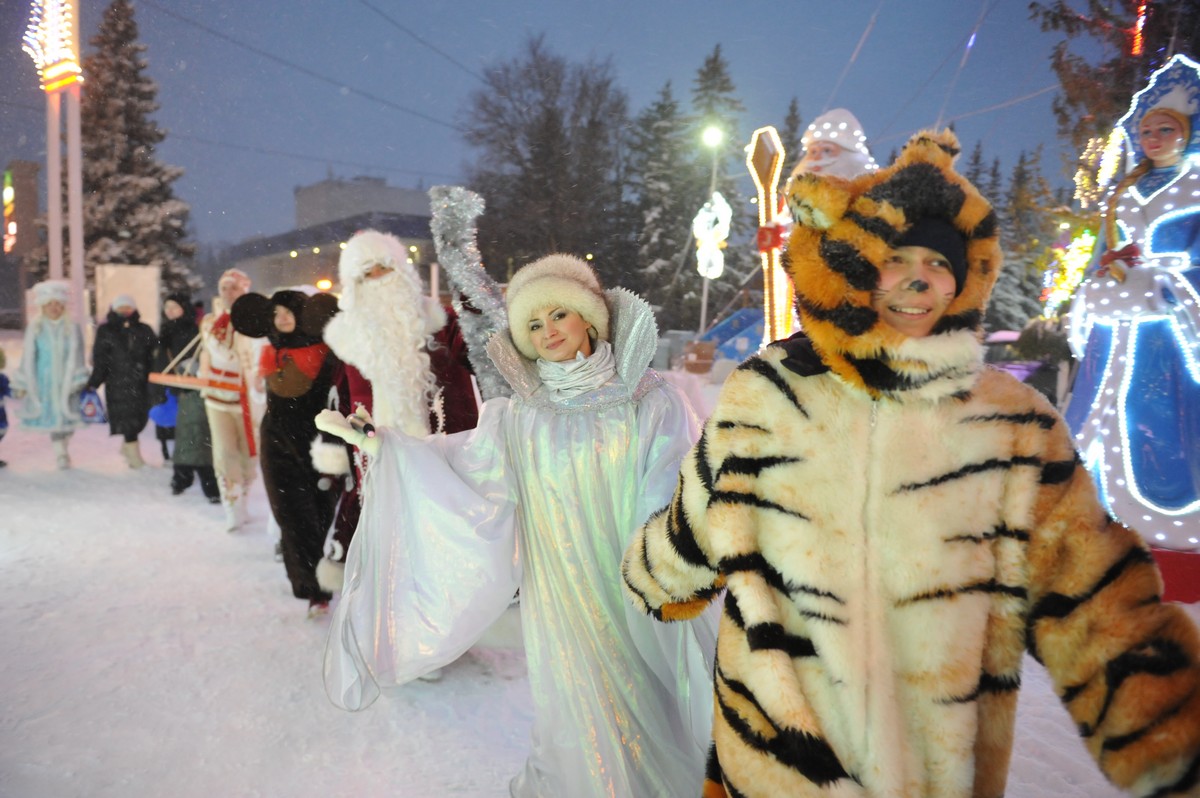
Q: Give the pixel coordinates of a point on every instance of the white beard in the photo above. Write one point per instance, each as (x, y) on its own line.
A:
(384, 332)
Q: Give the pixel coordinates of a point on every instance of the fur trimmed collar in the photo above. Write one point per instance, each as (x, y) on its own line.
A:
(919, 369)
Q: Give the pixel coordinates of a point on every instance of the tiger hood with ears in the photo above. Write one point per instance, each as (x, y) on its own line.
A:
(844, 231)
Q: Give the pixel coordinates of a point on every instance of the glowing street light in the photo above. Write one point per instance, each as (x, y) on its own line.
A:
(52, 41)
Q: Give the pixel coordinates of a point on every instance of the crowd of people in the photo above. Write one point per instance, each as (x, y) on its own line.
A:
(825, 588)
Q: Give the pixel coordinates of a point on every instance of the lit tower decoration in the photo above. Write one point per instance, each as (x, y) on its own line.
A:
(764, 158)
(52, 40)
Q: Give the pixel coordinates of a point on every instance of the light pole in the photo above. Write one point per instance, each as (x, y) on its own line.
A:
(712, 138)
(52, 40)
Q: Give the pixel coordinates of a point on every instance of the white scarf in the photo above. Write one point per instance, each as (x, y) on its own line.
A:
(571, 378)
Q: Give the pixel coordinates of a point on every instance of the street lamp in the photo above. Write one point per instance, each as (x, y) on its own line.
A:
(712, 136)
(52, 41)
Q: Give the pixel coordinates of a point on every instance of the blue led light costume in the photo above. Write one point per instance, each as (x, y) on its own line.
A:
(1135, 405)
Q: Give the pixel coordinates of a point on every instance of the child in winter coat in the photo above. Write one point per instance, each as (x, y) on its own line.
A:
(52, 371)
(122, 359)
(896, 524)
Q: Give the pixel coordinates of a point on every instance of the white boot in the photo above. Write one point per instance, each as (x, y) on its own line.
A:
(236, 513)
(132, 454)
(60, 451)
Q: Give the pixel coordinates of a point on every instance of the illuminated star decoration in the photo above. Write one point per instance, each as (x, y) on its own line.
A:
(711, 229)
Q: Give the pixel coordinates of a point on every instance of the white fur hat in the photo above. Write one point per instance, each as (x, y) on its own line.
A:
(50, 291)
(123, 301)
(554, 280)
(365, 249)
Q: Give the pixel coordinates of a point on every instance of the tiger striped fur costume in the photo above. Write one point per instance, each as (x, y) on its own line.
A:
(895, 525)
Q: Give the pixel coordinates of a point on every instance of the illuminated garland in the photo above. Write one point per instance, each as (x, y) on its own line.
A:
(455, 210)
(1064, 277)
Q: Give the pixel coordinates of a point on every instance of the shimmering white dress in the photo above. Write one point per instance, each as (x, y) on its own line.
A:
(543, 495)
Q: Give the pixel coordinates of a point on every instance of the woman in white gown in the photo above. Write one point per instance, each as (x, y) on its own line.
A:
(543, 496)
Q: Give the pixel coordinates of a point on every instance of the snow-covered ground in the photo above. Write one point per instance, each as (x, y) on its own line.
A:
(150, 653)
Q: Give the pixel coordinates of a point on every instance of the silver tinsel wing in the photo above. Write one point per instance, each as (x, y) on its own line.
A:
(455, 210)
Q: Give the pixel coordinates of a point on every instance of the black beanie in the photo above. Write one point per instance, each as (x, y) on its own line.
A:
(942, 237)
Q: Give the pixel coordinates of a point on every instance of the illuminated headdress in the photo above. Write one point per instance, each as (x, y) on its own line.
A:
(1176, 87)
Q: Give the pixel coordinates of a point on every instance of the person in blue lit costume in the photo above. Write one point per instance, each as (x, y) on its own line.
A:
(1135, 323)
(543, 495)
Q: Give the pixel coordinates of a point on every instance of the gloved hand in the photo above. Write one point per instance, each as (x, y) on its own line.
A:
(352, 429)
(1116, 262)
(331, 461)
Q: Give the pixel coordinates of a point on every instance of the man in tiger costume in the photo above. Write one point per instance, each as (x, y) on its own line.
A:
(895, 525)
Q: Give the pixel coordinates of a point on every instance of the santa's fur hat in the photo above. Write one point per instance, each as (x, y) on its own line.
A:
(365, 249)
(237, 277)
(555, 280)
(842, 128)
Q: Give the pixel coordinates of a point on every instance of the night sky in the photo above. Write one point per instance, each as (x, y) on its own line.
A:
(260, 97)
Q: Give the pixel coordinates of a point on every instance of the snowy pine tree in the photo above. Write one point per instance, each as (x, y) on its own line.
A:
(973, 170)
(993, 186)
(550, 135)
(1025, 231)
(714, 102)
(659, 156)
(130, 213)
(790, 136)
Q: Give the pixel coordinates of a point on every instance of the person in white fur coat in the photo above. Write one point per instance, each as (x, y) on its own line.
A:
(52, 370)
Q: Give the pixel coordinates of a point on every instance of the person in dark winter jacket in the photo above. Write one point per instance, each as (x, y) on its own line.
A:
(180, 335)
(122, 358)
(300, 373)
